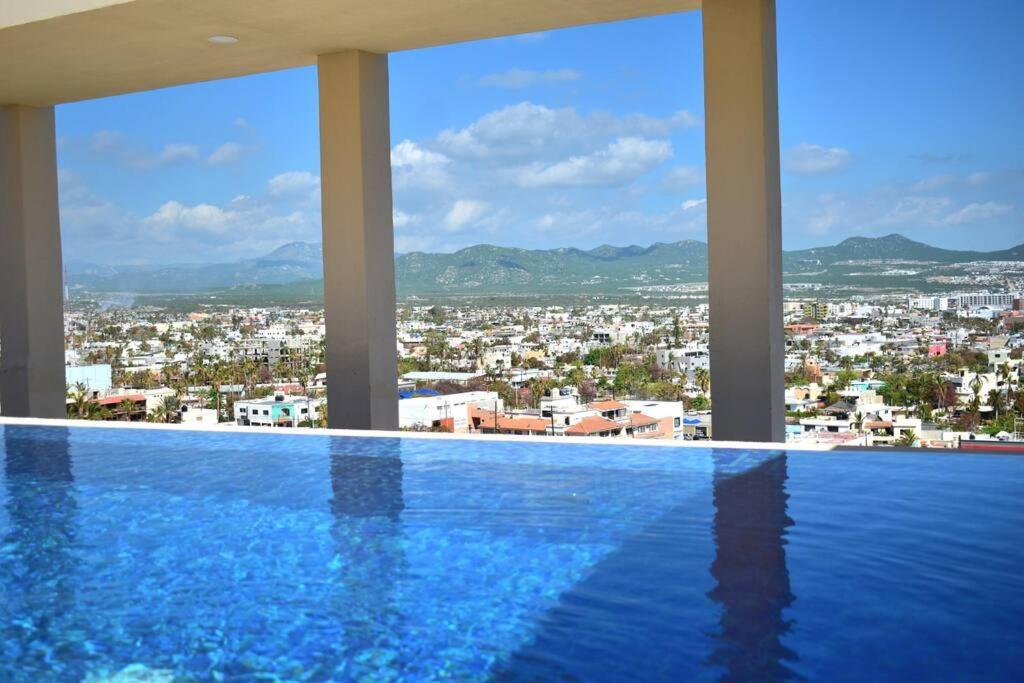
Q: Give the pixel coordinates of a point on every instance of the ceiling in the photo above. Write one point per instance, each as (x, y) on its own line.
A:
(54, 51)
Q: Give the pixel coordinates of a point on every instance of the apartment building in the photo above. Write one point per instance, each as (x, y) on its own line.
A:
(279, 410)
(445, 412)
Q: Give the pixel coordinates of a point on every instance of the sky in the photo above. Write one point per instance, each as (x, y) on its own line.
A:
(894, 117)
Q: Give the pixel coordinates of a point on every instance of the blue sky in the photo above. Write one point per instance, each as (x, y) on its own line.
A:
(895, 117)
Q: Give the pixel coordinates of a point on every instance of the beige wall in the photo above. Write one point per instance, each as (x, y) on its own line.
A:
(744, 220)
(359, 262)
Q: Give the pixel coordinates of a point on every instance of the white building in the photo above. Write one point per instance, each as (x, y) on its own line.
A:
(278, 410)
(445, 412)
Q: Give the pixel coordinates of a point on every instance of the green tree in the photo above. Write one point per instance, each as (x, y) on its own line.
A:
(907, 439)
(127, 407)
(703, 379)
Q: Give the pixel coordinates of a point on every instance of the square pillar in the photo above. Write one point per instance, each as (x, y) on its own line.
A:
(744, 220)
(358, 239)
(32, 376)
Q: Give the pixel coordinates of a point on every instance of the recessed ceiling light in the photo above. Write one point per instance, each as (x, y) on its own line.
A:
(223, 40)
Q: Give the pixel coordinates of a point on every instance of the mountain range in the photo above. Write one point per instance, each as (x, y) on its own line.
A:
(487, 269)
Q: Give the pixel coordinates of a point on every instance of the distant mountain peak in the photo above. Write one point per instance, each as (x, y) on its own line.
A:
(296, 251)
(490, 269)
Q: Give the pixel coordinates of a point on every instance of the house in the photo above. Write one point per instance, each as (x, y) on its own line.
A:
(199, 417)
(279, 410)
(595, 425)
(669, 414)
(445, 412)
(116, 407)
(490, 422)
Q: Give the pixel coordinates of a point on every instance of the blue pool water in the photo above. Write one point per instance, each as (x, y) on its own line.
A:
(156, 555)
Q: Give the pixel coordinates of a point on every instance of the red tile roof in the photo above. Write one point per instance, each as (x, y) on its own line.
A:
(506, 423)
(593, 425)
(605, 406)
(115, 400)
(641, 420)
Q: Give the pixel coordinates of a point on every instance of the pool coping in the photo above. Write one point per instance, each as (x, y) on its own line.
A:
(228, 428)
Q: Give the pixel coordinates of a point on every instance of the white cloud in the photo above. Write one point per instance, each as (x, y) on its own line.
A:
(112, 146)
(620, 162)
(830, 214)
(978, 178)
(691, 204)
(401, 219)
(85, 215)
(174, 215)
(681, 178)
(408, 153)
(521, 78)
(934, 182)
(177, 153)
(414, 167)
(97, 229)
(299, 186)
(808, 159)
(916, 210)
(977, 212)
(464, 213)
(528, 129)
(227, 153)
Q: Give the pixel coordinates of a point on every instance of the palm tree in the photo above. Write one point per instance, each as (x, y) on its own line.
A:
(976, 384)
(858, 421)
(703, 379)
(80, 400)
(170, 405)
(127, 407)
(907, 439)
(158, 414)
(995, 401)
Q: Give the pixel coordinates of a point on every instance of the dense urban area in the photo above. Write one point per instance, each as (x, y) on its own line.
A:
(939, 370)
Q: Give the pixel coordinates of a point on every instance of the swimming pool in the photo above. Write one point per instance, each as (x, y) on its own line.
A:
(176, 555)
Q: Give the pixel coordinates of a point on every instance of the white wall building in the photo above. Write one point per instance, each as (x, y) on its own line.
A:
(278, 410)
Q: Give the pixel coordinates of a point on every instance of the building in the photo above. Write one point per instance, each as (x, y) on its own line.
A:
(986, 299)
(668, 414)
(266, 351)
(815, 310)
(119, 407)
(199, 417)
(278, 410)
(491, 422)
(445, 412)
(685, 361)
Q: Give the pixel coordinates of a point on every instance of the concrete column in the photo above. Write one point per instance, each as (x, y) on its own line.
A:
(359, 261)
(31, 288)
(744, 220)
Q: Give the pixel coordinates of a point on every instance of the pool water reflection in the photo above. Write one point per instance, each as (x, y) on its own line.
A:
(190, 555)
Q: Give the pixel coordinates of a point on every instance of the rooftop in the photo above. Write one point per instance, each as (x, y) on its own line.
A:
(593, 425)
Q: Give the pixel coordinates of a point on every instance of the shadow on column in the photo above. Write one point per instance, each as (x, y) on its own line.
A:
(751, 574)
(38, 564)
(367, 503)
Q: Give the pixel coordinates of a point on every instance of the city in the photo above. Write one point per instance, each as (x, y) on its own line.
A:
(934, 371)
